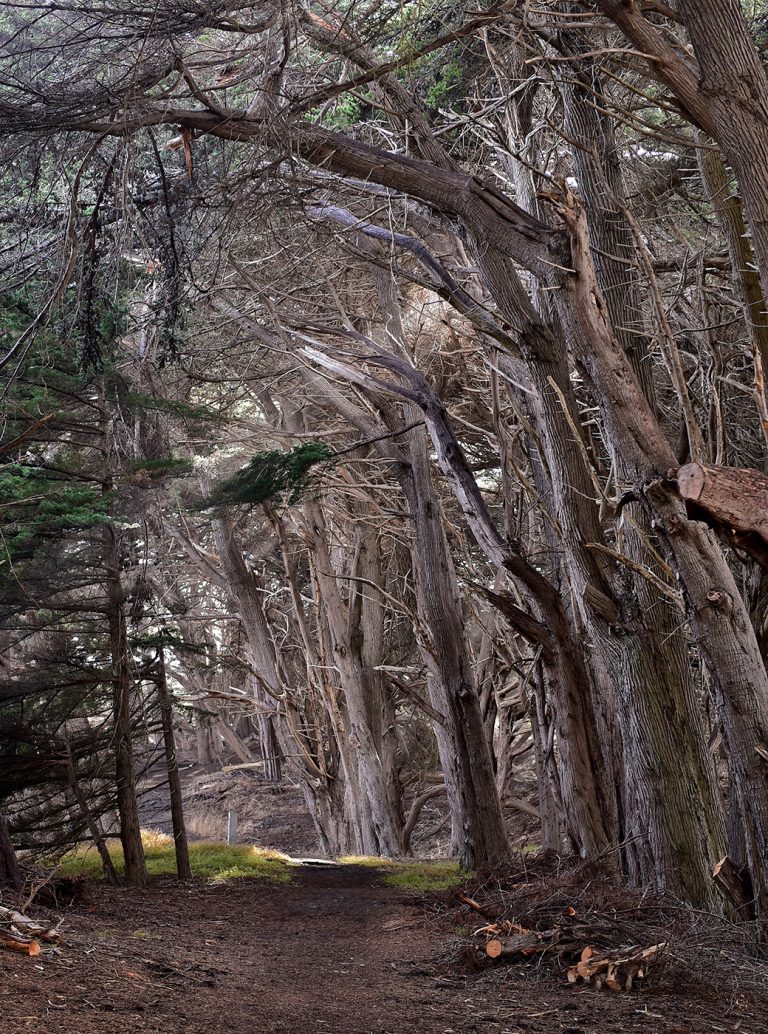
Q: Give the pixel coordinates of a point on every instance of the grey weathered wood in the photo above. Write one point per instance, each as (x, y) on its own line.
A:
(10, 874)
(231, 827)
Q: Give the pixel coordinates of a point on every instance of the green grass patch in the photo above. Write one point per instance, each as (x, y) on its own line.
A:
(369, 861)
(426, 875)
(413, 875)
(218, 862)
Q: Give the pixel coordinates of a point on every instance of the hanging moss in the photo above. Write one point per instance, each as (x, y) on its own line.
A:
(272, 475)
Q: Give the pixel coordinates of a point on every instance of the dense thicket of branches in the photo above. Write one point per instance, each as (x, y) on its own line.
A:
(352, 351)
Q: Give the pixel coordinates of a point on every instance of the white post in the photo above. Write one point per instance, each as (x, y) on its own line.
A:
(231, 827)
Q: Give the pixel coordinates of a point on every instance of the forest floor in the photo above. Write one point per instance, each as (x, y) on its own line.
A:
(332, 952)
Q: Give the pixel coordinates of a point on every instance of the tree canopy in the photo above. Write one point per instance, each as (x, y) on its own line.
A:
(356, 360)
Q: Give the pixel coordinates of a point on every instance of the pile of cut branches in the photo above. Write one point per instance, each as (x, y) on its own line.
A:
(579, 945)
(583, 923)
(20, 933)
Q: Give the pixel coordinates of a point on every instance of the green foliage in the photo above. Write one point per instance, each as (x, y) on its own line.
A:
(156, 470)
(346, 112)
(446, 86)
(174, 407)
(272, 475)
(36, 506)
(169, 638)
(218, 862)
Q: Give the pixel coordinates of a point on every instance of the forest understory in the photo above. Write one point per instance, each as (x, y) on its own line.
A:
(280, 958)
(384, 476)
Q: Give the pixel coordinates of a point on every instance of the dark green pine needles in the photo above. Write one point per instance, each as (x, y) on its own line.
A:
(272, 475)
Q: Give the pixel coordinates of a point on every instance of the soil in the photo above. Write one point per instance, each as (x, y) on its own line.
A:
(334, 952)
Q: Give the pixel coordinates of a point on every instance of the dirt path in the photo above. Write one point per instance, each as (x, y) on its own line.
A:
(332, 953)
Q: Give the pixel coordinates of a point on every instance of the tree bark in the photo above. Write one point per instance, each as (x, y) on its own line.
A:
(477, 823)
(127, 803)
(358, 681)
(181, 847)
(724, 92)
(479, 837)
(715, 608)
(122, 684)
(672, 827)
(10, 874)
(94, 826)
(333, 805)
(729, 209)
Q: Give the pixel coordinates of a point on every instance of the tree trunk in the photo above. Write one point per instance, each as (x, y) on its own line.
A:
(269, 744)
(358, 682)
(730, 213)
(368, 623)
(127, 804)
(477, 824)
(733, 88)
(122, 684)
(91, 820)
(323, 778)
(479, 837)
(183, 867)
(547, 776)
(673, 828)
(10, 874)
(326, 792)
(715, 608)
(205, 751)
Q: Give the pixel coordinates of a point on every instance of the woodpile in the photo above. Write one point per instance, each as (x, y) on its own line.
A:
(614, 970)
(570, 943)
(20, 933)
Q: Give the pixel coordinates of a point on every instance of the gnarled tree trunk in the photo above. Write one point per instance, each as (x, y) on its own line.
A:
(10, 874)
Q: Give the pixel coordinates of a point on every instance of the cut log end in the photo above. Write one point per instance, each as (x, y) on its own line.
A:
(690, 481)
(614, 971)
(20, 933)
(16, 942)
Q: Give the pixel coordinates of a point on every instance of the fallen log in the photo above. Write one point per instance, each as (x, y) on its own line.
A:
(522, 944)
(20, 933)
(27, 926)
(19, 942)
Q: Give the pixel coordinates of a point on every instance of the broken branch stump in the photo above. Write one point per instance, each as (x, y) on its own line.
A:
(734, 884)
(734, 500)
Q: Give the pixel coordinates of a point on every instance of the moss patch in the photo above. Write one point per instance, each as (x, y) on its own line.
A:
(218, 862)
